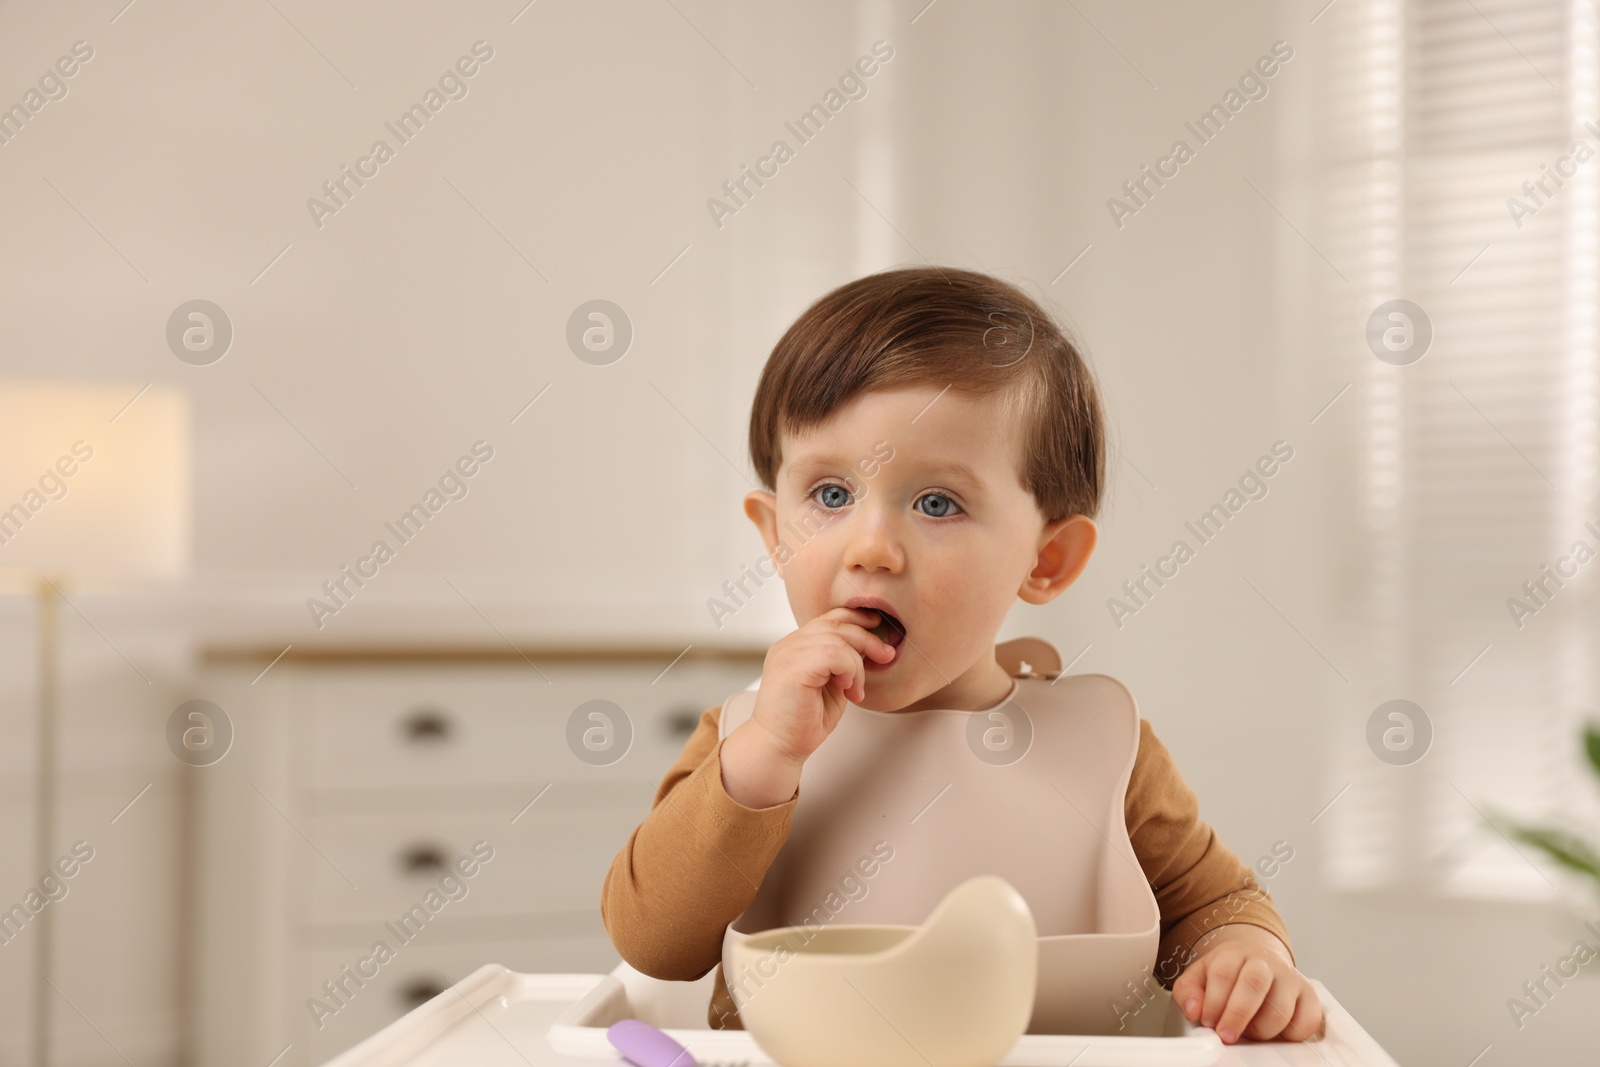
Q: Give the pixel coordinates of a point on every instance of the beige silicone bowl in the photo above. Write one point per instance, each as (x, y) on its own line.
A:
(956, 991)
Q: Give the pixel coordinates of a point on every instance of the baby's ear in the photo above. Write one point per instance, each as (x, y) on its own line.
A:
(762, 508)
(1064, 550)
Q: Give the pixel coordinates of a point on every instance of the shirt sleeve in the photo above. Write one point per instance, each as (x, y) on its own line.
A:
(1199, 883)
(691, 867)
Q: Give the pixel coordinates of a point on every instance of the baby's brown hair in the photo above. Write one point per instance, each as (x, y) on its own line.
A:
(941, 326)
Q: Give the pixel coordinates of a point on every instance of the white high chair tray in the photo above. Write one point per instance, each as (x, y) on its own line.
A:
(1156, 1035)
(500, 1018)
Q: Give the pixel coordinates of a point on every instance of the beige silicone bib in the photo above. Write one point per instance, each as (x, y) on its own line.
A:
(1031, 790)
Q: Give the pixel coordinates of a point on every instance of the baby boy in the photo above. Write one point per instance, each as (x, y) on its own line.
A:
(942, 440)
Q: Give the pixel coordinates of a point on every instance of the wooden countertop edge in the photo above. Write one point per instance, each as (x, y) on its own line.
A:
(436, 654)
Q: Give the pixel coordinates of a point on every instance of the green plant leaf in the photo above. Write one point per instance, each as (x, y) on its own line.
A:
(1591, 744)
(1569, 850)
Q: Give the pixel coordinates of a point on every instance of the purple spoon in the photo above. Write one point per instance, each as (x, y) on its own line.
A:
(643, 1044)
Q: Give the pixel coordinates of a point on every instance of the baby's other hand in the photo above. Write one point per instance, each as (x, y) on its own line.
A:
(1243, 984)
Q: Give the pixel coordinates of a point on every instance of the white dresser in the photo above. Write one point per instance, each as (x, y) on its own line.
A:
(354, 786)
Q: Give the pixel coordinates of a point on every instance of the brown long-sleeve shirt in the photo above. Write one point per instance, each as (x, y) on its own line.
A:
(697, 861)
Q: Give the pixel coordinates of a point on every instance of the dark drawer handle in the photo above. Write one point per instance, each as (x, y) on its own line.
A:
(427, 726)
(422, 859)
(681, 723)
(418, 991)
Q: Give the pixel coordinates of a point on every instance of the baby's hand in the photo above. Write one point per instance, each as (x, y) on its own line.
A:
(809, 675)
(806, 680)
(1243, 985)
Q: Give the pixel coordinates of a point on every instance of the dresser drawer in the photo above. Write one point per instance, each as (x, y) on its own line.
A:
(440, 727)
(554, 858)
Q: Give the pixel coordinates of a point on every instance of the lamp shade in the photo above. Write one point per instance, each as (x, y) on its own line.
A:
(94, 480)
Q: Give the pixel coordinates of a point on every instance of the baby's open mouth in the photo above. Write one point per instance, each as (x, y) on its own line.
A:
(889, 628)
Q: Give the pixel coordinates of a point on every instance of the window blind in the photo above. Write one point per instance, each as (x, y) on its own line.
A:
(1474, 466)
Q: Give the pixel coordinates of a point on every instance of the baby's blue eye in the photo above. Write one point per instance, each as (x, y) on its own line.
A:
(836, 503)
(837, 496)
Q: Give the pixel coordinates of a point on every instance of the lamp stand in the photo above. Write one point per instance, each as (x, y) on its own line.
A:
(45, 810)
